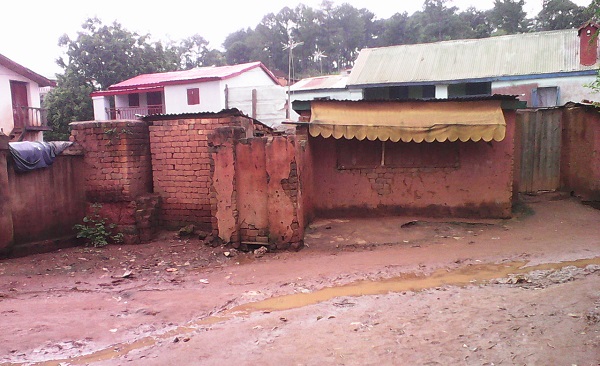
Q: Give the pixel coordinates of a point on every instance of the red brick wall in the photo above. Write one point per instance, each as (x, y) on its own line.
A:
(118, 174)
(117, 159)
(580, 152)
(181, 166)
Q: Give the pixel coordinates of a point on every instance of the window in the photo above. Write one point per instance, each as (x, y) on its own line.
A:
(193, 96)
(134, 100)
(354, 154)
(545, 97)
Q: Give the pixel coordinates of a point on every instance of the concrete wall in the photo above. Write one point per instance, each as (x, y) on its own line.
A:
(480, 185)
(580, 154)
(6, 112)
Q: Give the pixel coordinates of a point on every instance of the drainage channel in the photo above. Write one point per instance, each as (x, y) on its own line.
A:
(474, 274)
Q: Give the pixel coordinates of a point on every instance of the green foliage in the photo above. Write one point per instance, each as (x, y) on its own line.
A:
(96, 231)
(509, 17)
(561, 14)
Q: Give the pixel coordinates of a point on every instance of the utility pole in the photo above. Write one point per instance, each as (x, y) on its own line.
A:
(290, 46)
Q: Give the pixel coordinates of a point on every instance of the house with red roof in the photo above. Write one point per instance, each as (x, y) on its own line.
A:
(249, 87)
(21, 117)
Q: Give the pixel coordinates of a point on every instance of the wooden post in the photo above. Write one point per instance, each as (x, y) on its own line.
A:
(226, 96)
(254, 101)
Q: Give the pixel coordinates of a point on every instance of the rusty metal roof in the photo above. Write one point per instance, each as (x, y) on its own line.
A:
(496, 58)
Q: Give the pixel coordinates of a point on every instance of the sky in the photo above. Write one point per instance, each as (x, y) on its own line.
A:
(30, 29)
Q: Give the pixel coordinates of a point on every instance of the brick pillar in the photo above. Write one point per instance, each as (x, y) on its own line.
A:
(118, 173)
(6, 222)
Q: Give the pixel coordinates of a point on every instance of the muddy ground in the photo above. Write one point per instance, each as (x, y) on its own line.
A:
(379, 291)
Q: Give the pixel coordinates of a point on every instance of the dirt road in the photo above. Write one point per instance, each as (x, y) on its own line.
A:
(397, 291)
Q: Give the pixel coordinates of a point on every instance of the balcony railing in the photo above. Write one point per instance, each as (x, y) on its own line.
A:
(25, 117)
(133, 112)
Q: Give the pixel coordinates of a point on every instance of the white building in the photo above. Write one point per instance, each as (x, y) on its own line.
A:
(21, 117)
(250, 87)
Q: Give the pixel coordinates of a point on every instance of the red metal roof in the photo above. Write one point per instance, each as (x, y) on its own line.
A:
(22, 70)
(199, 74)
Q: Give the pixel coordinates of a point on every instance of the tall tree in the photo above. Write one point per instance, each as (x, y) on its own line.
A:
(194, 52)
(561, 14)
(508, 17)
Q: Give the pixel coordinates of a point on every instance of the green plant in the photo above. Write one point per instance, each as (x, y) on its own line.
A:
(95, 229)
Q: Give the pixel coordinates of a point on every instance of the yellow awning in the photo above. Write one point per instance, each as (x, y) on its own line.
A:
(409, 121)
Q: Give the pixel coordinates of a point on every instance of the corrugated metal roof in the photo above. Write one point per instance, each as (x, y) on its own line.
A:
(320, 82)
(194, 75)
(471, 59)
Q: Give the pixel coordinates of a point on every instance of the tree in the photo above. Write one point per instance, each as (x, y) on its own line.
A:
(194, 52)
(508, 17)
(68, 102)
(561, 14)
(101, 55)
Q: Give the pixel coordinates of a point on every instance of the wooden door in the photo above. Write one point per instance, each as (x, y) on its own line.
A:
(18, 92)
(540, 135)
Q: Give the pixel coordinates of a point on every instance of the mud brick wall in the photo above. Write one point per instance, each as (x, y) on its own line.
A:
(580, 152)
(477, 184)
(118, 174)
(256, 190)
(117, 159)
(181, 165)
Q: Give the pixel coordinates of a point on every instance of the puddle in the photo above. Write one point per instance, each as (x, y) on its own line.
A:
(474, 274)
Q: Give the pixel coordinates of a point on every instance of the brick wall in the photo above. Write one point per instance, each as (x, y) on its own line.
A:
(181, 164)
(118, 175)
(117, 159)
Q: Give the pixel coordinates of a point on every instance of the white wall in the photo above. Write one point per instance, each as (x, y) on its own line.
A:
(100, 104)
(342, 94)
(571, 89)
(270, 103)
(211, 98)
(6, 112)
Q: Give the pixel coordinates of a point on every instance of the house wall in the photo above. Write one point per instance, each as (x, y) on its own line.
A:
(212, 98)
(6, 112)
(580, 153)
(487, 167)
(269, 107)
(571, 89)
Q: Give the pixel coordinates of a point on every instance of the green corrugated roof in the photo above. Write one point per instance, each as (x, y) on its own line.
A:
(471, 59)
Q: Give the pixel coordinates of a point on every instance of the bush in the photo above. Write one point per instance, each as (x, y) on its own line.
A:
(96, 231)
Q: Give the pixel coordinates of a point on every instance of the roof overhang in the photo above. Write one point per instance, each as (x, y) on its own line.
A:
(409, 121)
(109, 93)
(23, 71)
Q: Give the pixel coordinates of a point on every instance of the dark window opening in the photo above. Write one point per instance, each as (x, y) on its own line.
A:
(134, 100)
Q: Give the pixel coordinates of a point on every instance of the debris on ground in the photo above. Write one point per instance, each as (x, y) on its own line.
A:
(258, 253)
(187, 230)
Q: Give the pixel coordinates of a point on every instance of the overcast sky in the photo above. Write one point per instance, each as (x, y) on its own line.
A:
(30, 28)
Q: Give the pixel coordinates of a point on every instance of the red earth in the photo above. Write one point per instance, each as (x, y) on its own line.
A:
(373, 291)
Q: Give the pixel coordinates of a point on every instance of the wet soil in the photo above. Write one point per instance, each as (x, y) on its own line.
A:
(397, 290)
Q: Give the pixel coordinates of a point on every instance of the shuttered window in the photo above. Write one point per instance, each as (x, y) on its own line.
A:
(193, 96)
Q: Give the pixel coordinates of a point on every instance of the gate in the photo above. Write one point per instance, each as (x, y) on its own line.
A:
(540, 140)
